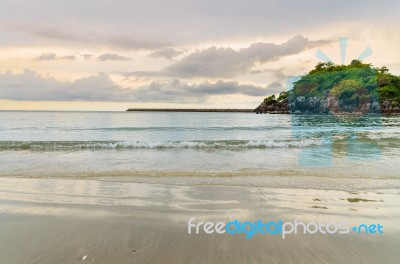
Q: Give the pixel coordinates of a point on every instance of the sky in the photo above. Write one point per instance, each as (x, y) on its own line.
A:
(112, 55)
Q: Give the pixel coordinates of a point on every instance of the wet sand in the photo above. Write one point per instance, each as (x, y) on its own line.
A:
(105, 221)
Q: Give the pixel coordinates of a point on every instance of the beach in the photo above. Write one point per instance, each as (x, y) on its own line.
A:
(92, 187)
(102, 221)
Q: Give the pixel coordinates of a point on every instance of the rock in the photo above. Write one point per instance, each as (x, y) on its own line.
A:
(261, 108)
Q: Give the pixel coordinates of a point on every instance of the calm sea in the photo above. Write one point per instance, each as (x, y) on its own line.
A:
(96, 144)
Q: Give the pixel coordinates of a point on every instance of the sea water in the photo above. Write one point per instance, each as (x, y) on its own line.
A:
(146, 144)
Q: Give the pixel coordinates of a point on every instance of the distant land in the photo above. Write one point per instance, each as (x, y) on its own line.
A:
(191, 110)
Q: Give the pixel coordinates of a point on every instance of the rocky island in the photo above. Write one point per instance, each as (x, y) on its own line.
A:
(357, 88)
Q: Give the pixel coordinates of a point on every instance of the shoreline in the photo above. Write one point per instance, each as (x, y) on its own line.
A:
(311, 182)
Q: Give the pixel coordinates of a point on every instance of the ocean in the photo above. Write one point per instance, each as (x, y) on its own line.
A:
(168, 144)
(122, 187)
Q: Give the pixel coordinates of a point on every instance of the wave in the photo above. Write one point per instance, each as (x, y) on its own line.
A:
(155, 128)
(382, 140)
(194, 128)
(208, 144)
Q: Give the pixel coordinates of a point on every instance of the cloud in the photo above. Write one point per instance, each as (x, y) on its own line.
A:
(274, 88)
(177, 91)
(64, 36)
(227, 62)
(68, 57)
(29, 85)
(52, 33)
(112, 57)
(46, 56)
(87, 56)
(276, 73)
(126, 42)
(168, 53)
(52, 56)
(192, 21)
(216, 62)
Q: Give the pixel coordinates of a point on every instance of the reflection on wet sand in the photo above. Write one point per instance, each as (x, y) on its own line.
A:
(147, 222)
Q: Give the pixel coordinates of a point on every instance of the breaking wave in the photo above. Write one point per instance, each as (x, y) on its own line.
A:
(209, 144)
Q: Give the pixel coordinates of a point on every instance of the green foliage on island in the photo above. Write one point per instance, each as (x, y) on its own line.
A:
(327, 75)
(273, 100)
(357, 87)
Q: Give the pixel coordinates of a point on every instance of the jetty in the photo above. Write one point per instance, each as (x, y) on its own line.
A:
(191, 110)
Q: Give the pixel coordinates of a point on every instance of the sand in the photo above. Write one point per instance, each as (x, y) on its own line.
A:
(104, 221)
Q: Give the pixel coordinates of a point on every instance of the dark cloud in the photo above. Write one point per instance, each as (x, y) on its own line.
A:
(29, 85)
(168, 53)
(112, 57)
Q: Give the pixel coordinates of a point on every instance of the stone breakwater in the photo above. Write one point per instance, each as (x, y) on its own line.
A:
(190, 110)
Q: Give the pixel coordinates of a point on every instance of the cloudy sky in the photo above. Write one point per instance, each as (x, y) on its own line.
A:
(111, 55)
